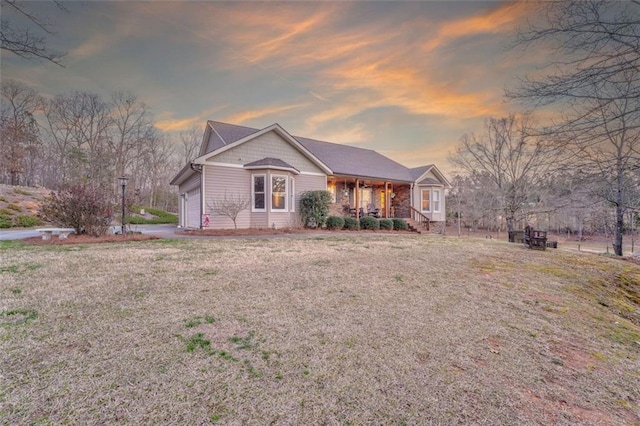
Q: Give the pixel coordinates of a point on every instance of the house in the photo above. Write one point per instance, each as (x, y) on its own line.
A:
(271, 168)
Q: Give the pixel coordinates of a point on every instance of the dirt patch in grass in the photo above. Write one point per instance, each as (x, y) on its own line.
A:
(344, 329)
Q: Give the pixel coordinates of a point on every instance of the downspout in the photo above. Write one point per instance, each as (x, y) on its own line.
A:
(198, 168)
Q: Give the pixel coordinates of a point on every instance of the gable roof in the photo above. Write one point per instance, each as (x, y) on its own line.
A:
(333, 158)
(419, 174)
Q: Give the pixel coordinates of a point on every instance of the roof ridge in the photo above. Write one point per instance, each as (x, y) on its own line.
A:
(336, 143)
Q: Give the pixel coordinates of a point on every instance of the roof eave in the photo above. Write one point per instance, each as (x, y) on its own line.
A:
(271, 167)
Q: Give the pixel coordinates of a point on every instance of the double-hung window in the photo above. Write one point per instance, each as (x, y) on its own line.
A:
(436, 201)
(426, 199)
(258, 193)
(279, 186)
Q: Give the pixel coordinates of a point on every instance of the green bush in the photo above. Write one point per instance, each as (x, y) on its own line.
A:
(400, 224)
(314, 208)
(369, 222)
(6, 212)
(14, 207)
(5, 221)
(25, 221)
(335, 222)
(351, 223)
(386, 224)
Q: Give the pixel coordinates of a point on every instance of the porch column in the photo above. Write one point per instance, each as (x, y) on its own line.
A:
(387, 200)
(357, 198)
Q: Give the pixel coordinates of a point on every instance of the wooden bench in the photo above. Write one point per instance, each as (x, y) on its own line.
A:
(62, 233)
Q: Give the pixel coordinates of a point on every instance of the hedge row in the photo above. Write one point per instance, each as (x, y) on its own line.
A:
(367, 222)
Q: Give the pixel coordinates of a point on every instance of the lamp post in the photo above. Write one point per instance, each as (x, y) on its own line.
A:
(123, 182)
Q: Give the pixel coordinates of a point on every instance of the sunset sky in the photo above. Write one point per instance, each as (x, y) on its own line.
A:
(407, 79)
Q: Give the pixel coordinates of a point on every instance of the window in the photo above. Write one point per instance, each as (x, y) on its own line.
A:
(436, 201)
(258, 193)
(425, 200)
(292, 190)
(278, 193)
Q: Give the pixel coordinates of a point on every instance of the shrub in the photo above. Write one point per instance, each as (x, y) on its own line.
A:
(386, 224)
(5, 221)
(14, 207)
(369, 222)
(351, 223)
(85, 208)
(25, 221)
(400, 224)
(314, 208)
(335, 222)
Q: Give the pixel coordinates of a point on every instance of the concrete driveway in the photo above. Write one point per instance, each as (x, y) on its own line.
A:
(163, 231)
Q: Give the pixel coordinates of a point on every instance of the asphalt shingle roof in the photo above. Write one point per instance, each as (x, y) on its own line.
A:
(354, 161)
(341, 159)
(268, 161)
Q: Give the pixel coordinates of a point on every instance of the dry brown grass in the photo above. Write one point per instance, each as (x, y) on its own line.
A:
(331, 330)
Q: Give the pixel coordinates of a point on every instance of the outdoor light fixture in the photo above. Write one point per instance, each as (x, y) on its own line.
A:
(123, 182)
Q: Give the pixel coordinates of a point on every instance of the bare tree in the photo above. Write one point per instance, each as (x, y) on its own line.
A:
(515, 161)
(157, 156)
(19, 141)
(132, 127)
(230, 206)
(595, 75)
(21, 41)
(190, 141)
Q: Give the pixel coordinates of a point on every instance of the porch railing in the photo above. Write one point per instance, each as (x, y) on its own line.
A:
(420, 217)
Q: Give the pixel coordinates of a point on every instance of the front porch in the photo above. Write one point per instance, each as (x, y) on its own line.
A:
(358, 197)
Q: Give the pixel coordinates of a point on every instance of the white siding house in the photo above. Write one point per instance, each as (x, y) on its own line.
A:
(270, 169)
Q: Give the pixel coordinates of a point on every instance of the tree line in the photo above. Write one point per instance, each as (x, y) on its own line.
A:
(581, 169)
(81, 137)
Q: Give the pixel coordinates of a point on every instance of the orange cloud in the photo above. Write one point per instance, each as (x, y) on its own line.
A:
(170, 124)
(502, 19)
(243, 116)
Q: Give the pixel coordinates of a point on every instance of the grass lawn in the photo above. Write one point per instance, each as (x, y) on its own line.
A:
(325, 330)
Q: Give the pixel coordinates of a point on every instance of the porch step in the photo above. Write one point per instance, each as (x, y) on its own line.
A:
(414, 226)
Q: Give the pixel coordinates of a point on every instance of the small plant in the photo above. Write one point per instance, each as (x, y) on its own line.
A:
(3, 199)
(335, 222)
(25, 221)
(5, 221)
(243, 342)
(369, 222)
(16, 291)
(17, 316)
(14, 207)
(351, 223)
(15, 269)
(386, 224)
(199, 319)
(400, 224)
(231, 205)
(314, 208)
(198, 341)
